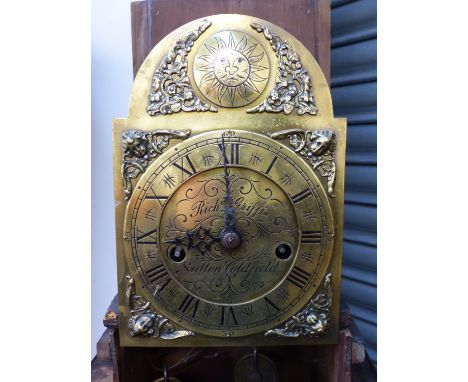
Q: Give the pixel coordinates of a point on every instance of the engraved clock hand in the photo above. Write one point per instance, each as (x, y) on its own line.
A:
(230, 236)
(229, 212)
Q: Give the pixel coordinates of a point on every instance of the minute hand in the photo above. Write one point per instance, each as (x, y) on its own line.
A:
(230, 236)
(229, 212)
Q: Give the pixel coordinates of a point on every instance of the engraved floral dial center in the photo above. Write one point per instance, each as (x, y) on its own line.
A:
(224, 261)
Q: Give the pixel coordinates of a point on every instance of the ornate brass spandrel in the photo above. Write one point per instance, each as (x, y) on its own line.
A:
(318, 147)
(231, 68)
(313, 320)
(171, 91)
(293, 88)
(139, 148)
(144, 322)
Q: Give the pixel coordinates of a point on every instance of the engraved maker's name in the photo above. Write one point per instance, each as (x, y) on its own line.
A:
(233, 267)
(202, 207)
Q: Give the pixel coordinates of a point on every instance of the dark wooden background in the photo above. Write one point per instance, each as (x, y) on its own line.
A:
(307, 20)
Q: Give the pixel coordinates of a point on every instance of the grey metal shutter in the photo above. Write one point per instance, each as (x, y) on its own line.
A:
(354, 91)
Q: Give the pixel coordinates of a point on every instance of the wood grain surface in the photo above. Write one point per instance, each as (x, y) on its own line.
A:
(307, 20)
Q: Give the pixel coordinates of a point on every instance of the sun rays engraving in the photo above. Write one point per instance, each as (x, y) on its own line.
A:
(231, 69)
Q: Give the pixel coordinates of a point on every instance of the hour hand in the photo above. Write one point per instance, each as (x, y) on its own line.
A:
(199, 239)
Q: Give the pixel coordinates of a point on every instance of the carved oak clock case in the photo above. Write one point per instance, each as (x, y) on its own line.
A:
(229, 178)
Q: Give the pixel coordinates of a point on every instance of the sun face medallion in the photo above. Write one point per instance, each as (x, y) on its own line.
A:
(231, 69)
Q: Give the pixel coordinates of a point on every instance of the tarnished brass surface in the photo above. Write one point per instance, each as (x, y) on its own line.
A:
(139, 148)
(318, 147)
(293, 88)
(313, 320)
(229, 192)
(231, 69)
(171, 91)
(216, 291)
(144, 322)
(225, 117)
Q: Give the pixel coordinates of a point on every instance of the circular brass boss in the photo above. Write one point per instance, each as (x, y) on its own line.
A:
(231, 69)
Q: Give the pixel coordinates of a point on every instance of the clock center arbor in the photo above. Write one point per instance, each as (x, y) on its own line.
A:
(229, 176)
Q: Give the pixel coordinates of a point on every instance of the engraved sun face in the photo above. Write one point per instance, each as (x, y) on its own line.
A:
(231, 69)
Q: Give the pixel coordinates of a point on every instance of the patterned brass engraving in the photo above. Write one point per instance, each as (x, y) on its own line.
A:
(313, 320)
(318, 147)
(271, 221)
(176, 234)
(231, 69)
(293, 88)
(139, 148)
(171, 90)
(146, 323)
(228, 233)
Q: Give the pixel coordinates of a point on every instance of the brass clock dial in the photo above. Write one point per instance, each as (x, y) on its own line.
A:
(229, 232)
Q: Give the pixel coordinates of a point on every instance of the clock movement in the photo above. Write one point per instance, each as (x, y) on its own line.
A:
(229, 176)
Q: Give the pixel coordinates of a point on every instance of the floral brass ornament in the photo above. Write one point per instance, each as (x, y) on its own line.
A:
(171, 91)
(293, 87)
(313, 320)
(139, 148)
(146, 323)
(318, 147)
(231, 69)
